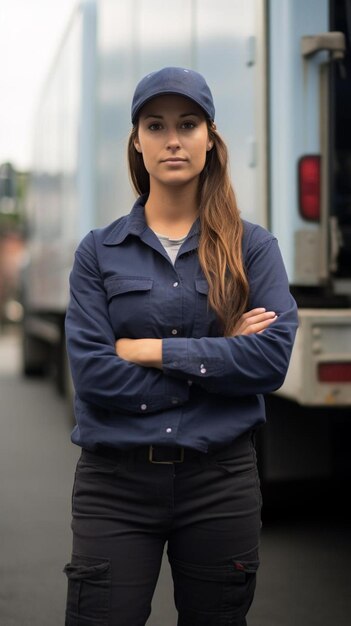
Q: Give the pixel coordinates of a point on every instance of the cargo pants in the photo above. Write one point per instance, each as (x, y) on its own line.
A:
(125, 510)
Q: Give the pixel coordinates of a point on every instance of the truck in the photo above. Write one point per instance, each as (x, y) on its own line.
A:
(280, 72)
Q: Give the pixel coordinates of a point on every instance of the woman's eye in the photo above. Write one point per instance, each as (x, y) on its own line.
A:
(188, 125)
(155, 126)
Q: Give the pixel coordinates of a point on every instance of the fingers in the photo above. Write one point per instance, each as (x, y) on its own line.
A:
(258, 327)
(256, 318)
(254, 321)
(256, 311)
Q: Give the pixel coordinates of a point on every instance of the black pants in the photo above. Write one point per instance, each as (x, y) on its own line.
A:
(207, 509)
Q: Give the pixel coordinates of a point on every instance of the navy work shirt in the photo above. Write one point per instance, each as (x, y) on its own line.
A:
(123, 284)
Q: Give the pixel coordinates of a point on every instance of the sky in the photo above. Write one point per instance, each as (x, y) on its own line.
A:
(30, 33)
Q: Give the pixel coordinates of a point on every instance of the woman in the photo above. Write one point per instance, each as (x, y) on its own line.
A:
(180, 317)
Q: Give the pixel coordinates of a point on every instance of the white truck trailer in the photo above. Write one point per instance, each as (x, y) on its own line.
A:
(280, 71)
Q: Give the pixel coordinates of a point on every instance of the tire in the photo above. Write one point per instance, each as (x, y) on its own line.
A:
(35, 356)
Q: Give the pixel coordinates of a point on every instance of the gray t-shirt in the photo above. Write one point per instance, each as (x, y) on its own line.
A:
(171, 245)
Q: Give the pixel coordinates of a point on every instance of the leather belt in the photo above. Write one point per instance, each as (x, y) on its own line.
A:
(160, 455)
(166, 455)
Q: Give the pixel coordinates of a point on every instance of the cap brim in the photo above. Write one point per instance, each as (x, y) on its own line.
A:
(167, 92)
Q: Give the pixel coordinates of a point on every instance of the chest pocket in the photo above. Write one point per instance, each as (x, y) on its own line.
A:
(129, 305)
(205, 323)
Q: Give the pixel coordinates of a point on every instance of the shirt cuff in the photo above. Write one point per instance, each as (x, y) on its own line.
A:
(186, 358)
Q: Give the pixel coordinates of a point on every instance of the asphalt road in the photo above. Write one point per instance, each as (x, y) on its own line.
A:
(304, 579)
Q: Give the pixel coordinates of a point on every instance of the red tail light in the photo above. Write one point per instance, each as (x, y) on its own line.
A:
(334, 372)
(309, 168)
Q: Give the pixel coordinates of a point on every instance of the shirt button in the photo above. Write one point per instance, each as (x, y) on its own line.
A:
(174, 331)
(203, 369)
(175, 401)
(175, 284)
(190, 382)
(143, 407)
(168, 430)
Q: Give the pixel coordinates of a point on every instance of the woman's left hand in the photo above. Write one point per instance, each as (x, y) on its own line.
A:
(145, 352)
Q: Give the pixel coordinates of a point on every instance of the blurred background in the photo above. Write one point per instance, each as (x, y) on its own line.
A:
(280, 72)
(30, 35)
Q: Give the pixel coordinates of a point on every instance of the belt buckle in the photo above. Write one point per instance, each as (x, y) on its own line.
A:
(152, 460)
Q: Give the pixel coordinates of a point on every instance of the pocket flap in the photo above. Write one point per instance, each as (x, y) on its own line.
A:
(201, 286)
(80, 571)
(117, 285)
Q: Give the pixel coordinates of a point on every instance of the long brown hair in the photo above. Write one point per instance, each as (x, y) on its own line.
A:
(220, 252)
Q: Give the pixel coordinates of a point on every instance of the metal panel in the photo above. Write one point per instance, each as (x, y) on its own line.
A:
(324, 335)
(294, 111)
(62, 178)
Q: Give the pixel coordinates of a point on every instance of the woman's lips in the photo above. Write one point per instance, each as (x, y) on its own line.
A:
(174, 160)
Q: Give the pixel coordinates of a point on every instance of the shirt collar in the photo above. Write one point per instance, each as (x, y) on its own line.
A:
(132, 224)
(135, 224)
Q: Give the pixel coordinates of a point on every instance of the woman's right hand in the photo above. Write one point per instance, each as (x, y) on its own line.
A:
(254, 322)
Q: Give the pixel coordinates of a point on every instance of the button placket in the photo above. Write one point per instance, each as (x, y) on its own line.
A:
(176, 284)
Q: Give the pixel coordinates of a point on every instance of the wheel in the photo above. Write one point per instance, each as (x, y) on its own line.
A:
(35, 355)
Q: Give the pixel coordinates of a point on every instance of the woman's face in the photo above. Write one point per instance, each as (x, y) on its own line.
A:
(173, 139)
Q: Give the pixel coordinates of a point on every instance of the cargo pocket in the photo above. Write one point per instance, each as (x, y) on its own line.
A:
(88, 591)
(216, 595)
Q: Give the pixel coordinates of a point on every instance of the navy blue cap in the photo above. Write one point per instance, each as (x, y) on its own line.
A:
(173, 80)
